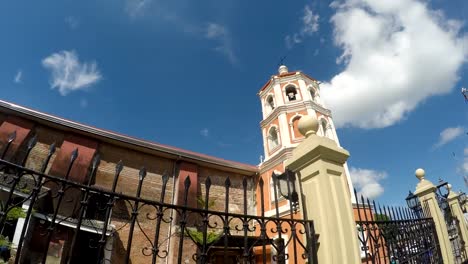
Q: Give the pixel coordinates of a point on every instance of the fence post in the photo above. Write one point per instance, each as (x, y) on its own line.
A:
(457, 212)
(425, 190)
(319, 164)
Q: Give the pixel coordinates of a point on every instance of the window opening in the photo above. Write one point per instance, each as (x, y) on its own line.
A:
(291, 93)
(273, 138)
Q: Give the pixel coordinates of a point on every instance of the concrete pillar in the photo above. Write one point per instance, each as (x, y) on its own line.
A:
(319, 164)
(457, 212)
(425, 190)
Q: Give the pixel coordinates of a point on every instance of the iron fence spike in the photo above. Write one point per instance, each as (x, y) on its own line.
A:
(208, 182)
(227, 183)
(12, 137)
(119, 167)
(96, 161)
(142, 173)
(52, 148)
(74, 155)
(187, 182)
(32, 142)
(165, 176)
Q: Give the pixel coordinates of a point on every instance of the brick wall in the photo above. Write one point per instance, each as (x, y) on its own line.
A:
(133, 161)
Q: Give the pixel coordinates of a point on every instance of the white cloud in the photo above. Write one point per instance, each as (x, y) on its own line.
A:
(396, 54)
(309, 21)
(73, 22)
(68, 73)
(219, 33)
(448, 135)
(135, 8)
(18, 76)
(205, 132)
(310, 25)
(367, 182)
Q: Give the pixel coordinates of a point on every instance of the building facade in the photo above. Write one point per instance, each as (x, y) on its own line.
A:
(285, 98)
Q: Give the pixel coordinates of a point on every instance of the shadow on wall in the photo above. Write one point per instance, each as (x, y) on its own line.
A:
(118, 252)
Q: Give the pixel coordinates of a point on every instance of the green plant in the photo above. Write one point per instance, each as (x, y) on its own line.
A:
(15, 213)
(197, 236)
(5, 242)
(201, 202)
(381, 217)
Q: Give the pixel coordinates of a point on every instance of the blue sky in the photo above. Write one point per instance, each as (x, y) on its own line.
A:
(186, 73)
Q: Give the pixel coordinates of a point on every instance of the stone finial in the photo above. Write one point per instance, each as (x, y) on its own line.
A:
(308, 125)
(449, 188)
(283, 69)
(420, 174)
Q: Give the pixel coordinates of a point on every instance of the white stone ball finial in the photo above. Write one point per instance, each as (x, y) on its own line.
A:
(308, 125)
(420, 174)
(283, 69)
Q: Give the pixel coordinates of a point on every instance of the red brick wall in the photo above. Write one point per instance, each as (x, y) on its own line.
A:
(21, 127)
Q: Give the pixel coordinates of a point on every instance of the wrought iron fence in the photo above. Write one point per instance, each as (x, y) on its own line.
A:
(50, 219)
(395, 235)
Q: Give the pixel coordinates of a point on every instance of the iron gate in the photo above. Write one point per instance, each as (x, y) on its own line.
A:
(395, 235)
(50, 219)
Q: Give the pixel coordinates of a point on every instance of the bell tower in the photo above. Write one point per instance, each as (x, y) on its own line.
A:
(285, 98)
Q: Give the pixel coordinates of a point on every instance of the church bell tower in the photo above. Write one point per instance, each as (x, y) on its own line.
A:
(285, 98)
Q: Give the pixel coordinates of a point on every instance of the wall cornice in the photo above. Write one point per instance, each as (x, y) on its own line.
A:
(278, 158)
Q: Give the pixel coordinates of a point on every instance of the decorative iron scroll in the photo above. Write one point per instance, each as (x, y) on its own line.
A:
(69, 221)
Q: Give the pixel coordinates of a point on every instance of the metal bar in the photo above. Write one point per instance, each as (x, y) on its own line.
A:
(141, 177)
(245, 255)
(159, 215)
(263, 235)
(290, 178)
(61, 193)
(33, 198)
(403, 235)
(275, 191)
(10, 140)
(31, 143)
(368, 233)
(360, 226)
(226, 228)
(379, 238)
(16, 179)
(204, 254)
(183, 219)
(109, 205)
(84, 205)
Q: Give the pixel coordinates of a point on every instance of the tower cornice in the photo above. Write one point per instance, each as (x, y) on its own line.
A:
(291, 107)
